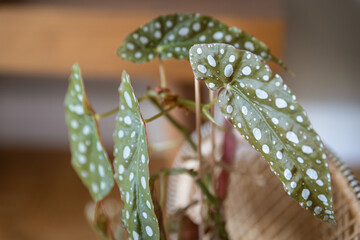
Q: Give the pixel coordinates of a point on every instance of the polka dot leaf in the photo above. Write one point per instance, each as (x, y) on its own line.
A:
(263, 109)
(131, 166)
(88, 156)
(171, 36)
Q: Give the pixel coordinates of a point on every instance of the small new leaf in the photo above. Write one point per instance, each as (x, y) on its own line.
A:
(88, 155)
(171, 36)
(263, 109)
(131, 166)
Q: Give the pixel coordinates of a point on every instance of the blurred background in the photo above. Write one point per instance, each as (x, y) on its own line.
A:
(40, 195)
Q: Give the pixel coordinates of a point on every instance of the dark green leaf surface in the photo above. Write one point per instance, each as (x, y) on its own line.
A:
(263, 109)
(88, 155)
(131, 166)
(172, 36)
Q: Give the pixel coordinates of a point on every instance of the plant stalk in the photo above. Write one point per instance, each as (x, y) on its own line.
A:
(198, 133)
(177, 125)
(106, 114)
(212, 138)
(198, 123)
(162, 74)
(162, 113)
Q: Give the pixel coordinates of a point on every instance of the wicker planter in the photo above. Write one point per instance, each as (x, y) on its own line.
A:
(257, 207)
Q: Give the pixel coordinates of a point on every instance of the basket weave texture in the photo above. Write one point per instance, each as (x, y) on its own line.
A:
(257, 207)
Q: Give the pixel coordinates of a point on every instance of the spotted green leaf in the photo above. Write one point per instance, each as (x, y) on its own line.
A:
(170, 36)
(263, 109)
(88, 155)
(131, 166)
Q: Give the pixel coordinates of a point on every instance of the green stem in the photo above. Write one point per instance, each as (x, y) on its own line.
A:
(144, 97)
(159, 114)
(162, 190)
(177, 125)
(210, 104)
(211, 199)
(187, 103)
(208, 115)
(162, 74)
(99, 116)
(204, 108)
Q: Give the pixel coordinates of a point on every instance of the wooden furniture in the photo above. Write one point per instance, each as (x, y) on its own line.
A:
(45, 40)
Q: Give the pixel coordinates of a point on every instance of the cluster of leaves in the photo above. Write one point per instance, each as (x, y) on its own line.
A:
(251, 97)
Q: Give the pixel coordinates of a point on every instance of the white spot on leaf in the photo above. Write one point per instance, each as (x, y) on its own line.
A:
(127, 120)
(135, 235)
(275, 121)
(183, 31)
(144, 40)
(312, 173)
(121, 169)
(81, 147)
(126, 152)
(128, 99)
(317, 210)
(218, 35)
(292, 137)
(149, 231)
(211, 61)
(257, 133)
(228, 71)
(320, 183)
(95, 187)
(74, 124)
(202, 68)
(157, 34)
(246, 70)
(196, 27)
(232, 58)
(101, 171)
(305, 193)
(306, 149)
(148, 204)
(142, 158)
(131, 176)
(249, 45)
(138, 55)
(120, 133)
(265, 148)
(261, 94)
(244, 110)
(287, 174)
(300, 160)
(143, 182)
(280, 103)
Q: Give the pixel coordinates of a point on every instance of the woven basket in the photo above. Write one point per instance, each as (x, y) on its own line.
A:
(257, 207)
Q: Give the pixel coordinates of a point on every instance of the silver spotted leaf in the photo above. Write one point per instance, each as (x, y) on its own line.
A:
(131, 166)
(263, 109)
(171, 36)
(88, 155)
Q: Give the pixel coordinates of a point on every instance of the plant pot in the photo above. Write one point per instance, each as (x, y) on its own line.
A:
(257, 207)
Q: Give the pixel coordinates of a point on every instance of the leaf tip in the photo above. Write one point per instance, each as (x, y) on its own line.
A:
(75, 67)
